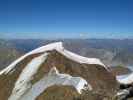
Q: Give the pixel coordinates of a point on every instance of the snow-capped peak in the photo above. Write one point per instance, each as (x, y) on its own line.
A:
(51, 65)
(49, 47)
(58, 46)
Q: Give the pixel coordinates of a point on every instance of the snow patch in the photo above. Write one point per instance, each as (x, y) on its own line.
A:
(55, 78)
(125, 79)
(23, 82)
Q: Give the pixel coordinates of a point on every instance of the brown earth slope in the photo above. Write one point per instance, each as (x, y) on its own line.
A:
(102, 81)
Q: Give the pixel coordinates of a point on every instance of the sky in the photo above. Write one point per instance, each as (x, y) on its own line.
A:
(66, 19)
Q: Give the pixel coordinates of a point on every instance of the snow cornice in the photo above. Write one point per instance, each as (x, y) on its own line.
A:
(58, 46)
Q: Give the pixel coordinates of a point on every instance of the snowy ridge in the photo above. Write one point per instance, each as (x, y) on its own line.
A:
(59, 47)
(25, 90)
(81, 59)
(125, 79)
(52, 78)
(23, 82)
(52, 46)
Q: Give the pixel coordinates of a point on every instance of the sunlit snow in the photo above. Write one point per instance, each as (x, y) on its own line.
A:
(59, 47)
(22, 83)
(55, 78)
(125, 79)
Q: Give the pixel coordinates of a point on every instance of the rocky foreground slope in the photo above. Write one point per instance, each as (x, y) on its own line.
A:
(53, 73)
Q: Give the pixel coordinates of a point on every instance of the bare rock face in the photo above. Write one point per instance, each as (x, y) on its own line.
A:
(28, 78)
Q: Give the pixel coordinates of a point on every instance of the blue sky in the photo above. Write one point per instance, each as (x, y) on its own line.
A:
(66, 19)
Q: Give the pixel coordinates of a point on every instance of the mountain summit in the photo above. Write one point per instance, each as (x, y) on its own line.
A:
(30, 76)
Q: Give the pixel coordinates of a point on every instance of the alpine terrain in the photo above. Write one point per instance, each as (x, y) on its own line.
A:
(53, 73)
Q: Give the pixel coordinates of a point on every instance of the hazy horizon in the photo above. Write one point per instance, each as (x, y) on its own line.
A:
(66, 19)
(62, 36)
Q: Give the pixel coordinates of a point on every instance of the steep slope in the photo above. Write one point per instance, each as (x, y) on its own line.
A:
(30, 75)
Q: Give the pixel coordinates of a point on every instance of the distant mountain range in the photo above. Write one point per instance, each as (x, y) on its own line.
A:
(111, 51)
